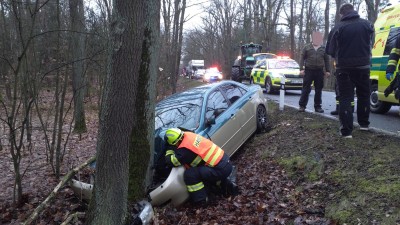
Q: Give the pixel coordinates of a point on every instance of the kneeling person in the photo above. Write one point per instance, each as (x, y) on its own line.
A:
(205, 162)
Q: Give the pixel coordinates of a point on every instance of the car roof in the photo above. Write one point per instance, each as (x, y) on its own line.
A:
(279, 59)
(196, 92)
(266, 54)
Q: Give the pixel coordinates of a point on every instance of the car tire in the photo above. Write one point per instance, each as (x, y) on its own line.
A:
(377, 106)
(262, 119)
(235, 74)
(268, 86)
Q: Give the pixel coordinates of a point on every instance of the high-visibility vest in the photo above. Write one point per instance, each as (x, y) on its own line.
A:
(206, 149)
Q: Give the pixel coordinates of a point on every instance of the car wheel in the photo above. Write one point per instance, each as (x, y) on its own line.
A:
(268, 86)
(262, 119)
(376, 105)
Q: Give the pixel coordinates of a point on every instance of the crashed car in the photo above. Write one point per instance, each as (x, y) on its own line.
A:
(227, 112)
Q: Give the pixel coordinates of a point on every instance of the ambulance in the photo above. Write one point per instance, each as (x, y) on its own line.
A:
(269, 73)
(387, 29)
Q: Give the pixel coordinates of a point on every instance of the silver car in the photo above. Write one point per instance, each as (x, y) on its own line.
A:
(227, 112)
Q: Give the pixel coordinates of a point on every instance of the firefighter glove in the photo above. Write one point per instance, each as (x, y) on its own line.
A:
(389, 76)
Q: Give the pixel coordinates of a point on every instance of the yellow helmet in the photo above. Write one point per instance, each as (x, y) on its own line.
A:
(173, 135)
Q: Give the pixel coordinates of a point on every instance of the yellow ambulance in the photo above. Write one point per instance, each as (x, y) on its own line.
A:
(387, 29)
(269, 72)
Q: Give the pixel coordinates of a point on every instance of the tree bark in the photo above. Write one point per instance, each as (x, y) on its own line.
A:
(142, 146)
(118, 115)
(77, 44)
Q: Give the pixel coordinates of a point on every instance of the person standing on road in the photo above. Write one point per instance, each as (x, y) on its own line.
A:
(314, 64)
(350, 43)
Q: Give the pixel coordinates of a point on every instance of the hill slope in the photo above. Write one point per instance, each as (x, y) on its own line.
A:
(303, 172)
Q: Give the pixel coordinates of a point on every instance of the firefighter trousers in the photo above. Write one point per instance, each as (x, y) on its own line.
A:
(199, 177)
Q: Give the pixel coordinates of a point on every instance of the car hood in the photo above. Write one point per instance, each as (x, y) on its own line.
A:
(286, 71)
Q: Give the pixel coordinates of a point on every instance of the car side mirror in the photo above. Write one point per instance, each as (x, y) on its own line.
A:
(210, 121)
(217, 112)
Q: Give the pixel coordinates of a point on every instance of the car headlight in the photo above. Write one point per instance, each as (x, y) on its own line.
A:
(220, 76)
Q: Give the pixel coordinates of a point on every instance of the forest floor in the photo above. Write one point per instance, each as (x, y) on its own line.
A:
(299, 172)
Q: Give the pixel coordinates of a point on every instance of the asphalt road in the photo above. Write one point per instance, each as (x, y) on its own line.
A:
(389, 122)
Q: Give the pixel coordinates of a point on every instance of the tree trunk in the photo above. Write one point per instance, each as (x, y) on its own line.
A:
(372, 9)
(118, 115)
(77, 44)
(292, 27)
(142, 146)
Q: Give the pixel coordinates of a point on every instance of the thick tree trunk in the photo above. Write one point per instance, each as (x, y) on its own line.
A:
(118, 115)
(142, 146)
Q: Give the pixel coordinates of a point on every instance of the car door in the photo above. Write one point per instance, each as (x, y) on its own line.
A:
(226, 126)
(245, 110)
(259, 73)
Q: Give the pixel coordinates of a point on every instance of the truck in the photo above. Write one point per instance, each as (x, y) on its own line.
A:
(387, 29)
(244, 63)
(193, 66)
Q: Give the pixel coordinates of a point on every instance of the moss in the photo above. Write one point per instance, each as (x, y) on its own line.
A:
(301, 165)
(340, 212)
(381, 185)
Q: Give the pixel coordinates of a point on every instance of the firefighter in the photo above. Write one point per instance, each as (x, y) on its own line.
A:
(205, 162)
(393, 59)
(390, 69)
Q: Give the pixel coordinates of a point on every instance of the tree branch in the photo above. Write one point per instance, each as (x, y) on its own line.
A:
(64, 180)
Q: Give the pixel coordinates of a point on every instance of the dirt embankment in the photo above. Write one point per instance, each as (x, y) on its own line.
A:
(303, 172)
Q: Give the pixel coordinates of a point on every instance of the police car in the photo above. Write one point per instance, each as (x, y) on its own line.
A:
(268, 73)
(387, 29)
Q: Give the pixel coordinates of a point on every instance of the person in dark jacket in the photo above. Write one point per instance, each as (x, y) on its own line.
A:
(314, 65)
(205, 162)
(350, 43)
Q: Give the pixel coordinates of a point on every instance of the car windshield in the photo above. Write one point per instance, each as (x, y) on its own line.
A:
(283, 64)
(264, 56)
(182, 113)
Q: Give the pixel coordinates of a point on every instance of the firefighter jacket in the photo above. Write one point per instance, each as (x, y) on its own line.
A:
(314, 59)
(394, 57)
(195, 150)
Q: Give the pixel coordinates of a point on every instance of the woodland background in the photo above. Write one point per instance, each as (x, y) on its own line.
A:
(124, 56)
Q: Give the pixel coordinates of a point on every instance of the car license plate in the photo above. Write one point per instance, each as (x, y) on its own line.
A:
(299, 81)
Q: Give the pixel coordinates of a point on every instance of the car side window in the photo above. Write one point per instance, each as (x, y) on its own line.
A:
(216, 103)
(232, 92)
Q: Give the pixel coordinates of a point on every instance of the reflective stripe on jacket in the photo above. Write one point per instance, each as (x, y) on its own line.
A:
(206, 149)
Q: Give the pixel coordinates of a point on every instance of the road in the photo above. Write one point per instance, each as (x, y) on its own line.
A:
(389, 122)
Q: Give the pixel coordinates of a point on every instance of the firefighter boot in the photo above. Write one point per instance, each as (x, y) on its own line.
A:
(229, 188)
(336, 111)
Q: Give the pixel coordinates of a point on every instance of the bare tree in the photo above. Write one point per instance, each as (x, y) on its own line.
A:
(77, 17)
(270, 11)
(223, 13)
(118, 114)
(372, 9)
